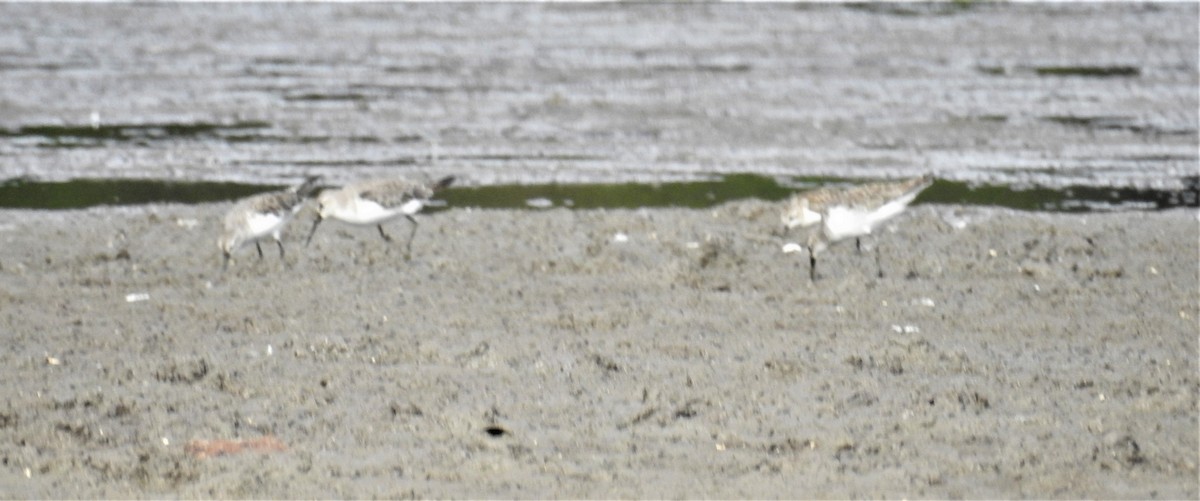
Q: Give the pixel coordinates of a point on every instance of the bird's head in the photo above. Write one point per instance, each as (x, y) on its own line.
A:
(797, 213)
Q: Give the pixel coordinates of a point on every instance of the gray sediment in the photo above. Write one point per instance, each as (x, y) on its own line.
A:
(593, 353)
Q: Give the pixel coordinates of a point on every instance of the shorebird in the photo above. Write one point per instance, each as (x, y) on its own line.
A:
(376, 202)
(848, 212)
(260, 216)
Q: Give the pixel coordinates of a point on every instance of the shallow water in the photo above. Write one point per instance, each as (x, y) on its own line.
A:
(1048, 96)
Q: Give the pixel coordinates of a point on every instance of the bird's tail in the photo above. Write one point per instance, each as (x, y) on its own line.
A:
(307, 187)
(904, 193)
(442, 183)
(919, 184)
(909, 190)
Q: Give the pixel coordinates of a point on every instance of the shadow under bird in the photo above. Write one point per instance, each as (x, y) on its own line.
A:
(376, 202)
(259, 216)
(848, 212)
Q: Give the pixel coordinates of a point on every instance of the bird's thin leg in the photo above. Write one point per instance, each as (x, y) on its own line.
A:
(259, 247)
(858, 244)
(225, 264)
(878, 264)
(313, 231)
(812, 266)
(382, 234)
(280, 248)
(411, 236)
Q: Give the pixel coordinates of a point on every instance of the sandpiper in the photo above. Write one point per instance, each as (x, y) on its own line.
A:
(376, 202)
(262, 215)
(848, 212)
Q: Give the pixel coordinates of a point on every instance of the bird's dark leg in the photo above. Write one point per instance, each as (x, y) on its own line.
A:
(225, 265)
(259, 247)
(280, 248)
(878, 265)
(812, 266)
(858, 244)
(411, 236)
(382, 234)
(313, 231)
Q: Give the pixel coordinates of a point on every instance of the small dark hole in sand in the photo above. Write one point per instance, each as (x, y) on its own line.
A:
(495, 431)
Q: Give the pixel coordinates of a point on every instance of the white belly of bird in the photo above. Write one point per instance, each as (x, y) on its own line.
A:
(412, 206)
(847, 222)
(366, 212)
(259, 225)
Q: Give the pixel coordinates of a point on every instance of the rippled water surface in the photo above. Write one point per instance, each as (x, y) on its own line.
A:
(177, 101)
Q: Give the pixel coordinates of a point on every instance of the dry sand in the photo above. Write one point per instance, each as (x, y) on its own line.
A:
(535, 354)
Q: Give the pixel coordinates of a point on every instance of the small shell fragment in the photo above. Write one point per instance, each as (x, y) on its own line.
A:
(539, 203)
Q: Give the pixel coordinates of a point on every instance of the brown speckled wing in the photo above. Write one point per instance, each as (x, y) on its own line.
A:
(275, 202)
(393, 192)
(873, 194)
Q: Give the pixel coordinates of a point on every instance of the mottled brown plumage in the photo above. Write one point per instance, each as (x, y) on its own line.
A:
(376, 202)
(848, 212)
(262, 215)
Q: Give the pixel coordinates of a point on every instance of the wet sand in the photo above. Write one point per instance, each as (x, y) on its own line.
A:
(539, 354)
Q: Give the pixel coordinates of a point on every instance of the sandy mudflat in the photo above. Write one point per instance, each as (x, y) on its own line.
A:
(539, 355)
(1003, 354)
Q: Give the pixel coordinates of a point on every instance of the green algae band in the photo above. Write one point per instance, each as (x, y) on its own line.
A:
(82, 193)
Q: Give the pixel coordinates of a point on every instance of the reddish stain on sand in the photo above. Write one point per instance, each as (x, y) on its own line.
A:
(203, 449)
